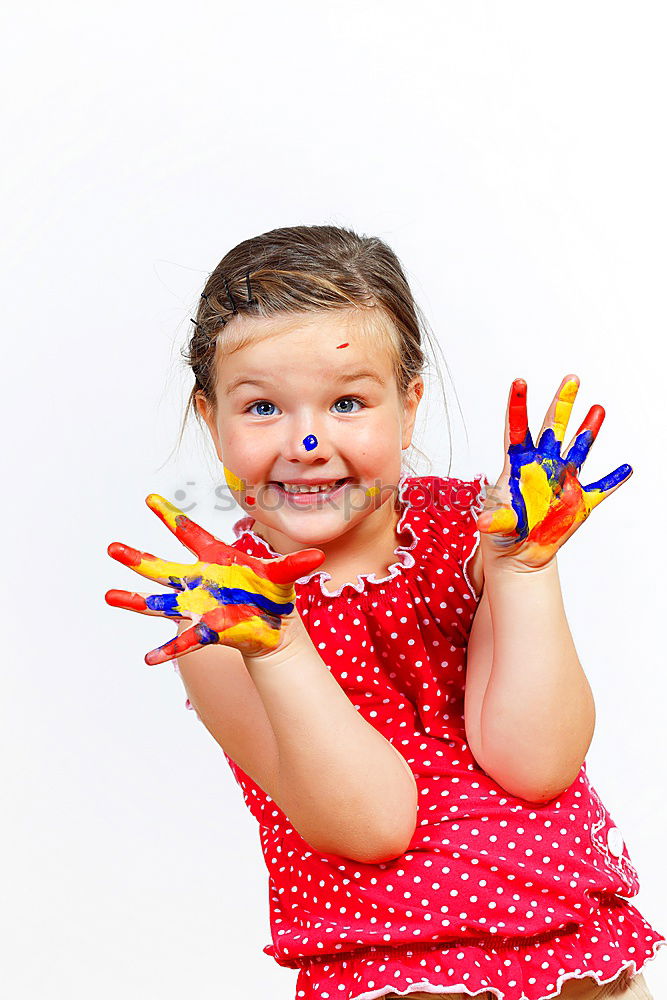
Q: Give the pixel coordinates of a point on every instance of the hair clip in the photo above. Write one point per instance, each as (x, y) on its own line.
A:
(251, 299)
(231, 297)
(204, 297)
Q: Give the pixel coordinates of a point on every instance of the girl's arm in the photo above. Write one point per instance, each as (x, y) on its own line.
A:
(346, 789)
(529, 709)
(288, 724)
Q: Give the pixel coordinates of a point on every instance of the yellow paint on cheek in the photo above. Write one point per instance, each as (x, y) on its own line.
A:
(233, 481)
(564, 408)
(372, 491)
(536, 493)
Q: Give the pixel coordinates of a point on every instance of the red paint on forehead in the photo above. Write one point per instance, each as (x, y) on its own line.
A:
(342, 345)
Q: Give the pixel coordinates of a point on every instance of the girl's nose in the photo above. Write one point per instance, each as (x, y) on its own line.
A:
(308, 447)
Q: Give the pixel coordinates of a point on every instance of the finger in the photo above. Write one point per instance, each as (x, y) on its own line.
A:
(516, 422)
(588, 431)
(501, 521)
(240, 627)
(145, 604)
(595, 493)
(248, 581)
(192, 638)
(169, 574)
(194, 537)
(296, 564)
(556, 420)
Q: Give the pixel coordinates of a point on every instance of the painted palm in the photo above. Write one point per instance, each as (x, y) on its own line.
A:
(230, 597)
(538, 502)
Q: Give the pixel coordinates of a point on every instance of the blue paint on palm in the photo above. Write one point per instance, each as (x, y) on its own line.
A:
(167, 603)
(234, 595)
(205, 634)
(547, 455)
(310, 442)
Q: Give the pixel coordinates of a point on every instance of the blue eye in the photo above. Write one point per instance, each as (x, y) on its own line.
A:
(352, 399)
(265, 402)
(260, 402)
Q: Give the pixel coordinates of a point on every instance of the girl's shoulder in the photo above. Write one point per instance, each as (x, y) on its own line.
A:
(445, 512)
(443, 499)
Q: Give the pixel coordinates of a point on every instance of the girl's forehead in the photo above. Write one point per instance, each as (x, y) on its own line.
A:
(328, 341)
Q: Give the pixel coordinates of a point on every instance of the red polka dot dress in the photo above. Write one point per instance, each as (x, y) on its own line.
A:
(494, 893)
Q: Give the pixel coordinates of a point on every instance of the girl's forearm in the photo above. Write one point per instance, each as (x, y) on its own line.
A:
(537, 714)
(343, 786)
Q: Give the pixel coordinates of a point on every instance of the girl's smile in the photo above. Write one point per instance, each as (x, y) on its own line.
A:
(312, 492)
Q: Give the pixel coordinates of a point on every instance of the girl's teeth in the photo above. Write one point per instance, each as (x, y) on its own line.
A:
(308, 489)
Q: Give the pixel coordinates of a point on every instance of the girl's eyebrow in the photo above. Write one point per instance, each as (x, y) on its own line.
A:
(353, 376)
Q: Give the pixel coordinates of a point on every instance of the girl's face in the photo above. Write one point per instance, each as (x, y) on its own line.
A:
(311, 399)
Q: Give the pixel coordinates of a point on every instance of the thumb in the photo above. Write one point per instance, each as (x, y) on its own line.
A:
(289, 568)
(500, 521)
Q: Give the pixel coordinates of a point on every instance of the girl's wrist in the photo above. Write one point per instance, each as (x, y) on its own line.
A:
(497, 565)
(292, 639)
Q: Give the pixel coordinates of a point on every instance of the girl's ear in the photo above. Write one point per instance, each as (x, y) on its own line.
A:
(412, 398)
(207, 413)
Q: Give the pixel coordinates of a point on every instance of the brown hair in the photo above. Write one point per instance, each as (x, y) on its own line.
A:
(307, 269)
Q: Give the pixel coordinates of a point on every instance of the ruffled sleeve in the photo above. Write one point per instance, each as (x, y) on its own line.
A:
(445, 512)
(463, 503)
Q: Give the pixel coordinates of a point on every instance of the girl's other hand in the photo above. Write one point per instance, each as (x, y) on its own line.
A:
(231, 597)
(538, 501)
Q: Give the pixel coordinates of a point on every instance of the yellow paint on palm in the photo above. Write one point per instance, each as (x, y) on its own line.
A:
(239, 577)
(199, 600)
(232, 577)
(536, 492)
(254, 630)
(564, 406)
(592, 499)
(233, 481)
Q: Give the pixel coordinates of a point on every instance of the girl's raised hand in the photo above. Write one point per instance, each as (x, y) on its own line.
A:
(538, 501)
(232, 598)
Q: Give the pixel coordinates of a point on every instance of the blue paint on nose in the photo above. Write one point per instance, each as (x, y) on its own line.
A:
(310, 442)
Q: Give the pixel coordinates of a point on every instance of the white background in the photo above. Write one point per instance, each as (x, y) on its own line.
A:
(513, 155)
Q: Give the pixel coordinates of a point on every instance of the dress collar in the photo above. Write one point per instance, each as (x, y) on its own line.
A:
(404, 558)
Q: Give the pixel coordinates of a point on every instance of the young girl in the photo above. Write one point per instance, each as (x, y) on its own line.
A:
(385, 659)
